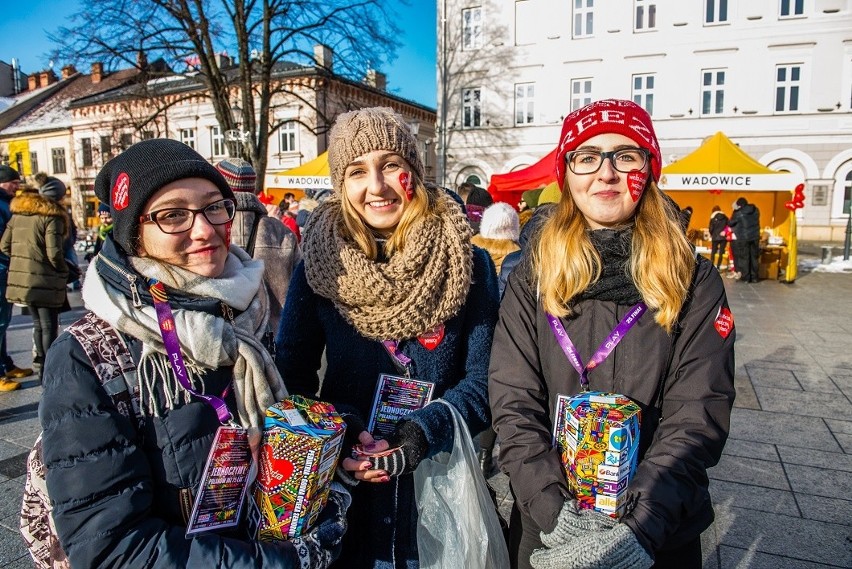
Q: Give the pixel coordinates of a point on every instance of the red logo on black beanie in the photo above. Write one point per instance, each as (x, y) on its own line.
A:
(121, 192)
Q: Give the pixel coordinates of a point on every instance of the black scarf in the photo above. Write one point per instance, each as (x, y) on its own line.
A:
(615, 283)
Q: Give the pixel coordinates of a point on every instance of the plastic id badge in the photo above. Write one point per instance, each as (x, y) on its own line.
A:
(220, 499)
(395, 398)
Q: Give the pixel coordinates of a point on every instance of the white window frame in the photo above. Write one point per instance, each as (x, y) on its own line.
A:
(714, 17)
(217, 141)
(472, 28)
(471, 107)
(645, 15)
(288, 137)
(87, 152)
(187, 136)
(789, 87)
(583, 19)
(33, 161)
(713, 91)
(793, 9)
(524, 104)
(642, 93)
(57, 160)
(581, 92)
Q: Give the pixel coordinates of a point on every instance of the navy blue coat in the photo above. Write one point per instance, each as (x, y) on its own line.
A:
(382, 518)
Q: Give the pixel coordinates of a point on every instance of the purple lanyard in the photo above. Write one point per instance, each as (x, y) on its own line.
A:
(170, 341)
(605, 348)
(402, 361)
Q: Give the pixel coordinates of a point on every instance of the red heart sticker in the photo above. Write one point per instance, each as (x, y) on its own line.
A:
(431, 339)
(724, 322)
(636, 183)
(405, 182)
(273, 471)
(121, 192)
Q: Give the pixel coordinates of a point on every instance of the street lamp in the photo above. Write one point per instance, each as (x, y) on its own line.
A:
(237, 135)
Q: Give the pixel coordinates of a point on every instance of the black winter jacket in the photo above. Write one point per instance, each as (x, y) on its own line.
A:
(118, 493)
(528, 369)
(718, 222)
(746, 223)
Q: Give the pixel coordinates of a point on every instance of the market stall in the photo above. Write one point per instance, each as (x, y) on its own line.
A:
(509, 187)
(313, 174)
(719, 172)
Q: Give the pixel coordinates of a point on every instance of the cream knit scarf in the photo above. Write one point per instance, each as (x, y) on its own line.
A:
(207, 341)
(420, 287)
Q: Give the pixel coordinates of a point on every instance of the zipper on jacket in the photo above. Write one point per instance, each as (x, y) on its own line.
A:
(134, 292)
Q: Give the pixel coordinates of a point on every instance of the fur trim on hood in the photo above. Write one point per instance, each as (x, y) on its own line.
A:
(34, 204)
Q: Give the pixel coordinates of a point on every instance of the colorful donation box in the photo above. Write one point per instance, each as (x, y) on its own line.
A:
(598, 438)
(302, 440)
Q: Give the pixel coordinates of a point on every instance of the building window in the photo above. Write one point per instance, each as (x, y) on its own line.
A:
(581, 93)
(87, 152)
(787, 78)
(646, 15)
(187, 136)
(106, 148)
(471, 108)
(217, 141)
(19, 162)
(792, 8)
(712, 91)
(147, 134)
(584, 16)
(715, 11)
(57, 156)
(288, 137)
(125, 141)
(33, 162)
(847, 194)
(472, 28)
(643, 92)
(525, 103)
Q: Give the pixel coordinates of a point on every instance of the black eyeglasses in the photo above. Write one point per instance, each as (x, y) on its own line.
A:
(180, 219)
(589, 161)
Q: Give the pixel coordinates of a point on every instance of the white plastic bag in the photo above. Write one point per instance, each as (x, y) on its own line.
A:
(457, 524)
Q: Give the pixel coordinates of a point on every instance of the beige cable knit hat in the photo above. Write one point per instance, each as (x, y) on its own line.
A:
(359, 132)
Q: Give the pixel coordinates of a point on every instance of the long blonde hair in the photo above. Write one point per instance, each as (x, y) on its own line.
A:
(661, 262)
(424, 202)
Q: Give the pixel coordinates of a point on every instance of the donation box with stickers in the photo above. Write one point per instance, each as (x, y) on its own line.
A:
(597, 435)
(301, 445)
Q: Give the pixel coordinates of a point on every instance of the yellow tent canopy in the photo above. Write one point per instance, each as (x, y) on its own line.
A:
(313, 174)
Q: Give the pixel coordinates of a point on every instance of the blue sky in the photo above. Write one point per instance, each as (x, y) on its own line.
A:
(23, 35)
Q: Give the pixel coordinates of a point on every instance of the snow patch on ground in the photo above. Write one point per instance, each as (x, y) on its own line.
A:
(838, 265)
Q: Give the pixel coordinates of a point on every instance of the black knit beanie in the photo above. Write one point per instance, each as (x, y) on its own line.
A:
(129, 180)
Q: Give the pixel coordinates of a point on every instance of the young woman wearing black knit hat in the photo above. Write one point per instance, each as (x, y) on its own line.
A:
(389, 284)
(612, 250)
(192, 312)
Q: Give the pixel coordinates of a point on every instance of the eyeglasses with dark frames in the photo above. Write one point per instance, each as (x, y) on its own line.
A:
(624, 160)
(180, 219)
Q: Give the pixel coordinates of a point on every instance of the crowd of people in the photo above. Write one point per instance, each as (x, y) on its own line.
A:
(227, 303)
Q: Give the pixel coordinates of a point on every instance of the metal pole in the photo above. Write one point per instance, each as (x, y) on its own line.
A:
(443, 118)
(848, 242)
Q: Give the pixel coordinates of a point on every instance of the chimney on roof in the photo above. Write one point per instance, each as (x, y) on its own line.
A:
(224, 61)
(376, 79)
(32, 81)
(141, 59)
(68, 71)
(97, 72)
(324, 57)
(47, 77)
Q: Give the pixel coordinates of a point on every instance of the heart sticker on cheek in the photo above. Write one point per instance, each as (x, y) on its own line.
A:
(228, 227)
(405, 182)
(636, 180)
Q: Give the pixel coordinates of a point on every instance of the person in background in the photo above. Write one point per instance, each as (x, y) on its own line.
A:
(10, 181)
(104, 227)
(289, 219)
(685, 216)
(718, 239)
(34, 242)
(745, 223)
(475, 201)
(612, 250)
(121, 488)
(261, 235)
(389, 284)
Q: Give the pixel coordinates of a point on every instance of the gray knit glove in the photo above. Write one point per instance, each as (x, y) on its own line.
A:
(574, 522)
(615, 548)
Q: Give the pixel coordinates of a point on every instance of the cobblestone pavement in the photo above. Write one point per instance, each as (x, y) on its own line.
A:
(783, 489)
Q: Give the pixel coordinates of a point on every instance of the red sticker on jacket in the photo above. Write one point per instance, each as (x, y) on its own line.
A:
(433, 338)
(405, 182)
(636, 180)
(121, 192)
(724, 322)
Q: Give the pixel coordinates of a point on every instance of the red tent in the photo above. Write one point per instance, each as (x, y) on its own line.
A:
(509, 187)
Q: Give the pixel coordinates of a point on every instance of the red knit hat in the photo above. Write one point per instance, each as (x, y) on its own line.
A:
(608, 116)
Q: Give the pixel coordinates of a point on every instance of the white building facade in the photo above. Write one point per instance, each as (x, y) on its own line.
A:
(774, 75)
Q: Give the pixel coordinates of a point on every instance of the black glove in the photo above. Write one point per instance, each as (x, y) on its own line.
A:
(411, 447)
(321, 544)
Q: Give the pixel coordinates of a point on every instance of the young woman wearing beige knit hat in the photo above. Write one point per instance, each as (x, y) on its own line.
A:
(389, 284)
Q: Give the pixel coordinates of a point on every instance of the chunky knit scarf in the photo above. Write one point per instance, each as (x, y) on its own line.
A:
(207, 341)
(615, 283)
(418, 288)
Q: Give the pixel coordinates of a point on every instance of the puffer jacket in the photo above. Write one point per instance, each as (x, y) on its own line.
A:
(276, 245)
(5, 216)
(716, 229)
(528, 370)
(746, 223)
(120, 495)
(33, 241)
(497, 248)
